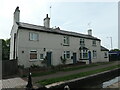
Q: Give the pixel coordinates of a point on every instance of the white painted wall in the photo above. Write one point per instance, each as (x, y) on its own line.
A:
(13, 31)
(88, 44)
(103, 59)
(52, 42)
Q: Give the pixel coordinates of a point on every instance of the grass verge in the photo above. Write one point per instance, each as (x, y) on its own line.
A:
(78, 75)
(69, 69)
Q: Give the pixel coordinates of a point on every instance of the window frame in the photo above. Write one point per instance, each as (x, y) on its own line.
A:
(94, 54)
(105, 55)
(66, 55)
(66, 40)
(94, 43)
(40, 56)
(82, 41)
(83, 54)
(33, 52)
(33, 36)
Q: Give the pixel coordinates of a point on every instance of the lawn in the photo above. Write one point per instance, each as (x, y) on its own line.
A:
(78, 75)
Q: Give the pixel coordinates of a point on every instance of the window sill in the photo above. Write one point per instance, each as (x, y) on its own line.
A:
(66, 45)
(68, 59)
(33, 60)
(41, 59)
(94, 45)
(84, 59)
(33, 40)
(82, 44)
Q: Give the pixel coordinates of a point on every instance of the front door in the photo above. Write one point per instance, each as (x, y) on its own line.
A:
(89, 55)
(49, 54)
(74, 58)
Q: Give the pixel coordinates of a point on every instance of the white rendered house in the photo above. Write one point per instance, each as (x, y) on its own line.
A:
(31, 44)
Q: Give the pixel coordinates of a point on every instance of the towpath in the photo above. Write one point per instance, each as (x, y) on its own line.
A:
(62, 73)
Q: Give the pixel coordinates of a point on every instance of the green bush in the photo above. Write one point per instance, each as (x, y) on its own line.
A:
(63, 60)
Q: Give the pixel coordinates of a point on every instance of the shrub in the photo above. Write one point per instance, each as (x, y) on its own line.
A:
(35, 66)
(63, 60)
(21, 66)
(44, 61)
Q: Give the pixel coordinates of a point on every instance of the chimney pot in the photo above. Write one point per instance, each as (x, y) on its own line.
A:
(90, 32)
(16, 15)
(46, 15)
(47, 21)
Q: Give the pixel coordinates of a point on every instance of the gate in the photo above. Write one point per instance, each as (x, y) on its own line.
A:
(9, 67)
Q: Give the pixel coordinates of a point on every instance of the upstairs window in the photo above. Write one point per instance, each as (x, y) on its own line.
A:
(33, 54)
(94, 43)
(33, 36)
(66, 40)
(82, 41)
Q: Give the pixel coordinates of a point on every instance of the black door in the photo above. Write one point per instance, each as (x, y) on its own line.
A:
(49, 54)
(89, 55)
(74, 58)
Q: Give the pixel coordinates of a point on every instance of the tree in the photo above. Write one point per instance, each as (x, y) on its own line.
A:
(115, 50)
(5, 49)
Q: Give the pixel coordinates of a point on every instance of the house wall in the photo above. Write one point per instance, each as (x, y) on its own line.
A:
(51, 42)
(13, 31)
(103, 58)
(0, 49)
(89, 45)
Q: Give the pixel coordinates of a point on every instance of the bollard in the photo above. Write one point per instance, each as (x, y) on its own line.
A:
(29, 86)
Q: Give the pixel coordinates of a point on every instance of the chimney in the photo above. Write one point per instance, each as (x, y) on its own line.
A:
(47, 21)
(90, 32)
(16, 15)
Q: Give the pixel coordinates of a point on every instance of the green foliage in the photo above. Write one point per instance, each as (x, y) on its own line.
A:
(115, 50)
(5, 49)
(35, 66)
(63, 60)
(21, 66)
(44, 61)
(42, 74)
(58, 68)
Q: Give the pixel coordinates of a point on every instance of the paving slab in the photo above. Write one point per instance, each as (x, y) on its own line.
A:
(13, 82)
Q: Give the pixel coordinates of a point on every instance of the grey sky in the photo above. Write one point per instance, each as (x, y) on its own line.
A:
(71, 16)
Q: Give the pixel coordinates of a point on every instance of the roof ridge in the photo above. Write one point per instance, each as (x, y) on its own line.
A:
(43, 28)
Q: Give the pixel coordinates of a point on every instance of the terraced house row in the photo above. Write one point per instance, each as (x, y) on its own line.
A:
(33, 44)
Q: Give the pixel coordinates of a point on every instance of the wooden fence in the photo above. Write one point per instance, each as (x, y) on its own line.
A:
(9, 67)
